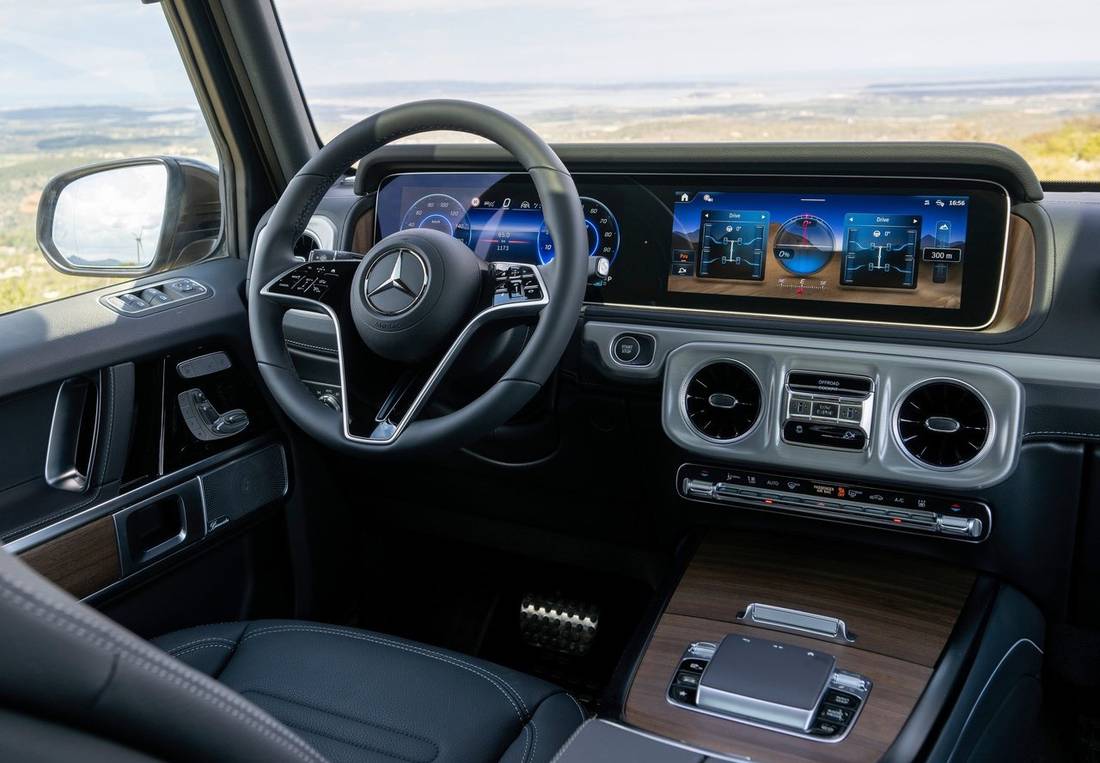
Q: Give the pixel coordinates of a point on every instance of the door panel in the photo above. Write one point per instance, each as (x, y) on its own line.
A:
(118, 478)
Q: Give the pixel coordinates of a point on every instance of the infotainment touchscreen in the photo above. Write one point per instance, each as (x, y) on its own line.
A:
(882, 249)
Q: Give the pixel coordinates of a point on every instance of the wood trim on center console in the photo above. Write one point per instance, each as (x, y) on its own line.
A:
(901, 609)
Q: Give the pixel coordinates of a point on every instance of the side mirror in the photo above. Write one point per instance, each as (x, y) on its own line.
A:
(130, 217)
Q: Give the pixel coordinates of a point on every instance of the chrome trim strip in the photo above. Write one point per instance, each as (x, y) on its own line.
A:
(782, 316)
(777, 618)
(520, 308)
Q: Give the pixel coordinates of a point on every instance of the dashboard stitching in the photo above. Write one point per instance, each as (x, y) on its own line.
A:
(308, 346)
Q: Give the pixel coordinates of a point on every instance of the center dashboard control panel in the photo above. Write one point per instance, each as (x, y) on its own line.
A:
(835, 501)
(828, 410)
(771, 685)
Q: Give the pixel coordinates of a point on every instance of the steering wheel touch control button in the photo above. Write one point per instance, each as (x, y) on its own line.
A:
(514, 283)
(633, 349)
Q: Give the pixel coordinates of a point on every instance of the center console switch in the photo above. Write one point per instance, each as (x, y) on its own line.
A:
(828, 410)
(770, 684)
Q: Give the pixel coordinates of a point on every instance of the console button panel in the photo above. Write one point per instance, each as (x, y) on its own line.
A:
(828, 410)
(836, 501)
(829, 719)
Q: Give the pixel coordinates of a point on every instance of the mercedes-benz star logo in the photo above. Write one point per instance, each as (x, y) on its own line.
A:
(396, 282)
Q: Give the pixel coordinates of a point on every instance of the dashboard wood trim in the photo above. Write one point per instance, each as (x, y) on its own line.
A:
(1018, 294)
(901, 608)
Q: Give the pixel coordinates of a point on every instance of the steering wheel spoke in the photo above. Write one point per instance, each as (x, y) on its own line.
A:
(514, 290)
(318, 286)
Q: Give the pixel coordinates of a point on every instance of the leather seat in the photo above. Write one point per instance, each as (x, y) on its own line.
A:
(271, 691)
(359, 696)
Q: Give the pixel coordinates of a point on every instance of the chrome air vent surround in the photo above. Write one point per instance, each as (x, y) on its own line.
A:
(943, 423)
(722, 401)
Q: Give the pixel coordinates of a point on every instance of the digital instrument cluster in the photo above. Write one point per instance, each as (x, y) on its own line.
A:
(498, 216)
(911, 251)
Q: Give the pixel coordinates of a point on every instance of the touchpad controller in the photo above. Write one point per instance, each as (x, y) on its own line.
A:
(768, 683)
(773, 682)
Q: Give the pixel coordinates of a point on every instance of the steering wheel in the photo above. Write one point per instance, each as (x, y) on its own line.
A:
(404, 312)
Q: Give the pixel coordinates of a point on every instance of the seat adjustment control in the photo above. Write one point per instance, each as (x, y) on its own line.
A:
(205, 422)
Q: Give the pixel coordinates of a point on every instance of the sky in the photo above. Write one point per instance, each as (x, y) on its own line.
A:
(120, 51)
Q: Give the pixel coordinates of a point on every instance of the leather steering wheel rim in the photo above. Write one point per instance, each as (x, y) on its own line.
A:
(564, 278)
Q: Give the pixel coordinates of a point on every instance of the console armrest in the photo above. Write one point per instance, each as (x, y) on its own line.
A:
(603, 742)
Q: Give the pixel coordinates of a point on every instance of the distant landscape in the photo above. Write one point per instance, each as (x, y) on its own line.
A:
(1053, 122)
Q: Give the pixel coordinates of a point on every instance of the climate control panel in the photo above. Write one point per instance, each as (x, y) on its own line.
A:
(836, 501)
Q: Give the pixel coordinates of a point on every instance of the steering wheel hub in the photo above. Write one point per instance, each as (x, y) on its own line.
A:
(413, 292)
(395, 282)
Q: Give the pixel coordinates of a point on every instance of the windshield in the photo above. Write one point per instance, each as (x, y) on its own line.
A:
(1005, 71)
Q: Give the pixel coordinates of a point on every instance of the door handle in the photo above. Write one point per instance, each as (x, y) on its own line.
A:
(70, 451)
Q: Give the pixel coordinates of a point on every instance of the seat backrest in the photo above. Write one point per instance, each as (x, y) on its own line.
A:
(63, 662)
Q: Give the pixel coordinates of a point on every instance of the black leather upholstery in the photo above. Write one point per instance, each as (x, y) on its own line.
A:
(358, 696)
(70, 677)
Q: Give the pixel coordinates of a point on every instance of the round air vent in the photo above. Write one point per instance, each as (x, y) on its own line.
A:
(722, 401)
(943, 424)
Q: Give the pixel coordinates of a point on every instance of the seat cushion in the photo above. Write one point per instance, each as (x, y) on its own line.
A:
(361, 696)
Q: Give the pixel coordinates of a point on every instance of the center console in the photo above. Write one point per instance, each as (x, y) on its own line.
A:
(780, 648)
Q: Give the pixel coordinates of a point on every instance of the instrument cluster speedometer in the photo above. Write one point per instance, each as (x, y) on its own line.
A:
(504, 220)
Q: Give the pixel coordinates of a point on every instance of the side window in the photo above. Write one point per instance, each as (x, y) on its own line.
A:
(107, 168)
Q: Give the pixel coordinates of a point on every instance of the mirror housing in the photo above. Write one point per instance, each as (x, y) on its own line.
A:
(130, 217)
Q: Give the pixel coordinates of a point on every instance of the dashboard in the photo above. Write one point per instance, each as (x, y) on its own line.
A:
(924, 252)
